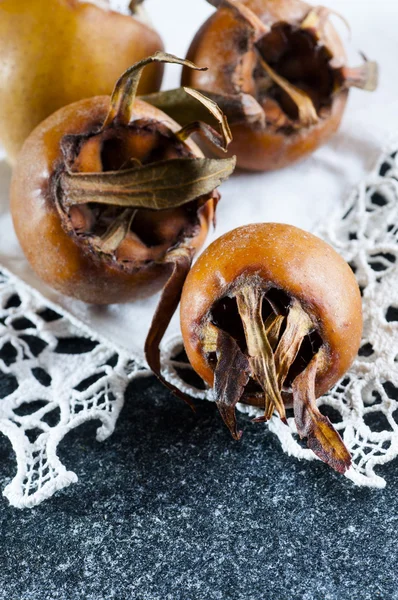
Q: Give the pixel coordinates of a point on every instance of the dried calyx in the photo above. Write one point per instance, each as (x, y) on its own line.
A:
(286, 75)
(294, 75)
(131, 191)
(266, 350)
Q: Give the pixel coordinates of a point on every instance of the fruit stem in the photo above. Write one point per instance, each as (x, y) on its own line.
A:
(364, 77)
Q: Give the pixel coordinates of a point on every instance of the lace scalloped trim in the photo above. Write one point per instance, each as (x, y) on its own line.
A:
(48, 388)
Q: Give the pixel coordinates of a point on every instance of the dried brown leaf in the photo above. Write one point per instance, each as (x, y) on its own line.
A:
(298, 325)
(180, 261)
(249, 300)
(157, 186)
(321, 436)
(125, 91)
(306, 109)
(231, 375)
(183, 108)
(244, 12)
(364, 77)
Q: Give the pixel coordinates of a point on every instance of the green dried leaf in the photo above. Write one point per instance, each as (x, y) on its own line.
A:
(157, 186)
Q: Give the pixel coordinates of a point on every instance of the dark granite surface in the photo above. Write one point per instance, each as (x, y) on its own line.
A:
(171, 508)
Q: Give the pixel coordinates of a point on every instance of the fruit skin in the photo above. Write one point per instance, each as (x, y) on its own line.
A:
(52, 253)
(215, 45)
(54, 53)
(285, 257)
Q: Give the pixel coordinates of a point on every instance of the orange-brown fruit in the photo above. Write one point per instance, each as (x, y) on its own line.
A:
(271, 316)
(109, 196)
(289, 57)
(55, 52)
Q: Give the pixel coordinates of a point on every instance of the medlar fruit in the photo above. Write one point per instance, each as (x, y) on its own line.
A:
(271, 316)
(110, 197)
(289, 57)
(54, 53)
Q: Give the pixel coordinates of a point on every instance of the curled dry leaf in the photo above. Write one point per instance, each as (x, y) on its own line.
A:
(125, 91)
(322, 437)
(231, 376)
(157, 186)
(240, 108)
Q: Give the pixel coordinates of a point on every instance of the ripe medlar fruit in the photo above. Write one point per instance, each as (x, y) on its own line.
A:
(110, 197)
(56, 52)
(271, 316)
(289, 57)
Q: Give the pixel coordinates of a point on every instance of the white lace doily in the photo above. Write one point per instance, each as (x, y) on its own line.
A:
(46, 390)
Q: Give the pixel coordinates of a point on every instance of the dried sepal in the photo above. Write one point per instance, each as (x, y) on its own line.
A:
(273, 326)
(125, 91)
(210, 338)
(249, 300)
(221, 140)
(306, 110)
(298, 325)
(135, 5)
(321, 436)
(269, 355)
(238, 108)
(364, 77)
(212, 107)
(156, 186)
(258, 28)
(180, 261)
(203, 130)
(116, 232)
(231, 376)
(316, 19)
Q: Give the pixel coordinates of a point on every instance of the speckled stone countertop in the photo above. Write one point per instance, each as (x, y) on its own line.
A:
(171, 508)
